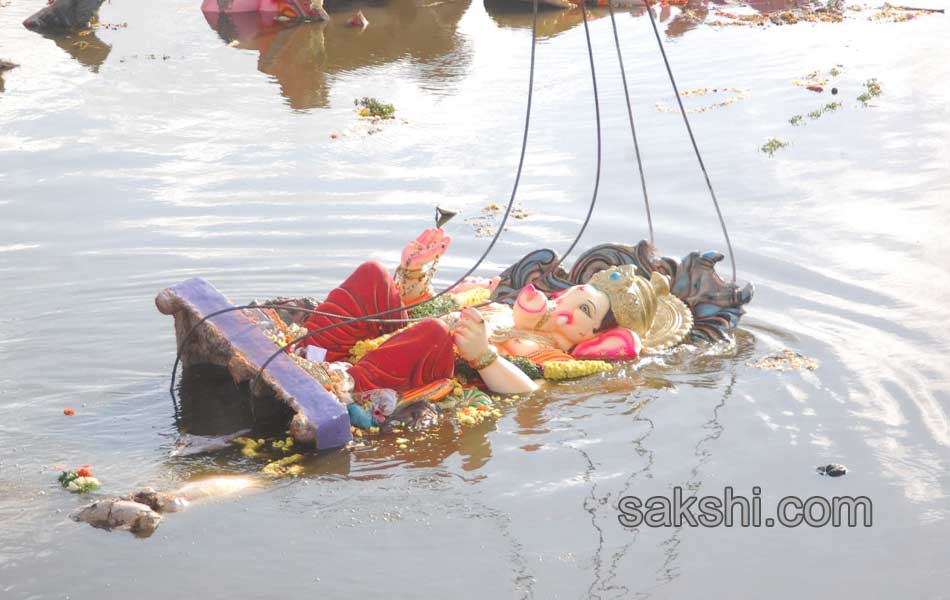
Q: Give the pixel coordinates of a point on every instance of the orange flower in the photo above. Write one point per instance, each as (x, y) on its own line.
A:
(69, 412)
(84, 473)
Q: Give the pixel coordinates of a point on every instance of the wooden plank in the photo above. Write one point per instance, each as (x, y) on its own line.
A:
(291, 383)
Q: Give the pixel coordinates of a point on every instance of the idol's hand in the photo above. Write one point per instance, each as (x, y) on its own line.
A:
(471, 335)
(430, 245)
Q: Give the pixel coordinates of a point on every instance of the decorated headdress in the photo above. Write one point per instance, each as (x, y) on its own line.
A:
(645, 306)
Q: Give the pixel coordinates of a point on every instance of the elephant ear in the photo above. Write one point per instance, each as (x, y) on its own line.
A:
(618, 343)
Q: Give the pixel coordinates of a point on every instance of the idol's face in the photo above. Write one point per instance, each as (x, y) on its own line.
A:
(578, 312)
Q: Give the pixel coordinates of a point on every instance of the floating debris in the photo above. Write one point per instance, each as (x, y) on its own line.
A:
(737, 95)
(249, 447)
(138, 518)
(69, 412)
(784, 17)
(832, 470)
(833, 12)
(785, 360)
(827, 108)
(358, 20)
(898, 14)
(188, 444)
(284, 467)
(484, 223)
(772, 146)
(796, 120)
(79, 481)
(872, 89)
(374, 109)
(470, 416)
(82, 45)
(818, 79)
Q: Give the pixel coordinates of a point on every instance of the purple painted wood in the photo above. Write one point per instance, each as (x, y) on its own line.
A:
(308, 397)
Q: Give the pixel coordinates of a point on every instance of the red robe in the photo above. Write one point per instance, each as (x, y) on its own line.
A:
(419, 355)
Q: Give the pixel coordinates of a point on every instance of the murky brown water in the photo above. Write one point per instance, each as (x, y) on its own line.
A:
(157, 152)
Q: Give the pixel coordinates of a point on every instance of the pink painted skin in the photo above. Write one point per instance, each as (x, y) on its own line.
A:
(428, 246)
(470, 283)
(577, 313)
(574, 314)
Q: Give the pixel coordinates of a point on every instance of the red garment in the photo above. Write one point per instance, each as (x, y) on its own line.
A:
(419, 355)
(370, 289)
(414, 357)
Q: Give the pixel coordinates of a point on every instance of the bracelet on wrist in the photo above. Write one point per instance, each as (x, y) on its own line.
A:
(413, 274)
(483, 360)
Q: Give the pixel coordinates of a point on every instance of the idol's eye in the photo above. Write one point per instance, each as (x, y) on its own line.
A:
(585, 308)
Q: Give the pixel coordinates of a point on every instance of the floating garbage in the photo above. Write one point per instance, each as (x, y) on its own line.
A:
(119, 514)
(736, 95)
(358, 20)
(772, 146)
(786, 360)
(188, 445)
(832, 470)
(372, 108)
(872, 89)
(79, 481)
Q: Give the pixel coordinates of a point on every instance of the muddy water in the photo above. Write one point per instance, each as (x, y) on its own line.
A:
(148, 154)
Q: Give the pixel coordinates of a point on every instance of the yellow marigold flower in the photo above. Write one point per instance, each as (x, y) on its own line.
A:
(361, 347)
(472, 297)
(571, 369)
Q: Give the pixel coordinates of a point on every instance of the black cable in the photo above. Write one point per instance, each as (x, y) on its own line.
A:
(511, 201)
(593, 200)
(501, 227)
(692, 138)
(633, 128)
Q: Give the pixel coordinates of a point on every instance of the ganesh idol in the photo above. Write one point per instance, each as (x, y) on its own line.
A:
(616, 315)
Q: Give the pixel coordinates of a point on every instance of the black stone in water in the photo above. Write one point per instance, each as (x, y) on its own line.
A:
(832, 470)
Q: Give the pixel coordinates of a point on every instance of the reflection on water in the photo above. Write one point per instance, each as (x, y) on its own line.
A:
(88, 49)
(304, 57)
(677, 19)
(117, 183)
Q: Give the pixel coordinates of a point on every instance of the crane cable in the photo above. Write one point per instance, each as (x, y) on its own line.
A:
(633, 128)
(692, 139)
(593, 200)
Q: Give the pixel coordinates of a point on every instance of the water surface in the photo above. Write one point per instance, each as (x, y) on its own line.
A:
(169, 149)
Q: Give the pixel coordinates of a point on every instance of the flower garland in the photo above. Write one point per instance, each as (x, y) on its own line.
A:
(571, 369)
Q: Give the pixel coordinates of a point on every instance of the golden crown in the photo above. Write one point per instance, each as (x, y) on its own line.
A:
(633, 299)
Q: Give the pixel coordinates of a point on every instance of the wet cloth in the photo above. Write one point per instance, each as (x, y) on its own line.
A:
(413, 357)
